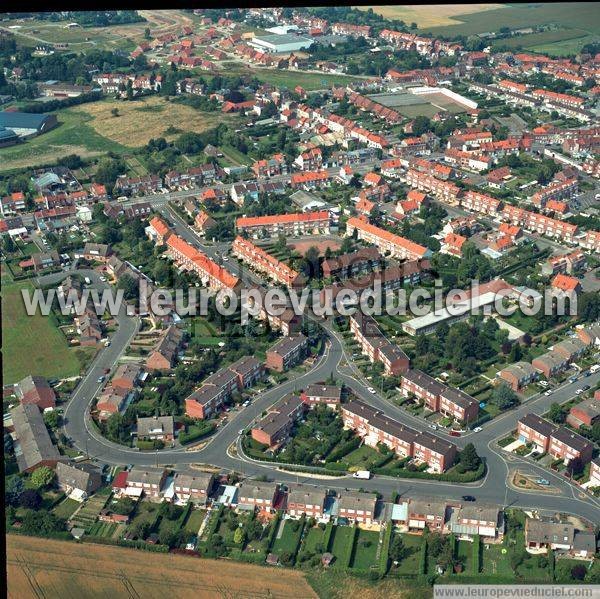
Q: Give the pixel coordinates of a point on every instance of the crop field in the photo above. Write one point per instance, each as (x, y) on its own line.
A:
(577, 15)
(48, 568)
(32, 344)
(73, 135)
(531, 40)
(141, 120)
(565, 47)
(434, 15)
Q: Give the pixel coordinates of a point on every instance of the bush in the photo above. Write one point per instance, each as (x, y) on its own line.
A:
(196, 431)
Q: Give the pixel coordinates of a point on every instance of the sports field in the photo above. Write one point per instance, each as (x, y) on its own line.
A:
(141, 120)
(31, 344)
(49, 568)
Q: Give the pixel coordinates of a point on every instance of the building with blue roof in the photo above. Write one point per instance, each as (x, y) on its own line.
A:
(25, 124)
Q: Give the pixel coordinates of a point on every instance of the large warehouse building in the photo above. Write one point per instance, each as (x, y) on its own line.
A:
(26, 124)
(280, 44)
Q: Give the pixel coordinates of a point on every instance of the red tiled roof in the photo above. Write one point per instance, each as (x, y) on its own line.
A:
(247, 221)
(565, 282)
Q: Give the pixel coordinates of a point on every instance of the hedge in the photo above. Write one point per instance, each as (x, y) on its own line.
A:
(327, 536)
(476, 565)
(302, 525)
(385, 549)
(344, 449)
(149, 444)
(350, 548)
(197, 431)
(273, 531)
(466, 477)
(122, 543)
(312, 470)
(423, 557)
(184, 516)
(551, 564)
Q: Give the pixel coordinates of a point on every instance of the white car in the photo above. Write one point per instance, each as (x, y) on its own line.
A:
(371, 390)
(103, 279)
(241, 431)
(477, 429)
(433, 426)
(579, 392)
(549, 392)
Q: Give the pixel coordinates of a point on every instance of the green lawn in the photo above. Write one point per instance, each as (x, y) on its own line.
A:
(289, 538)
(361, 457)
(311, 540)
(72, 135)
(342, 535)
(464, 551)
(194, 521)
(309, 81)
(365, 549)
(495, 562)
(32, 344)
(66, 508)
(410, 564)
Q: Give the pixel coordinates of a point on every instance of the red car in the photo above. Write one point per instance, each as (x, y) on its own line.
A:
(454, 434)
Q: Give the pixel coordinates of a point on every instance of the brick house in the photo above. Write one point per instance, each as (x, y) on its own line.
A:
(252, 495)
(156, 427)
(274, 429)
(150, 480)
(567, 445)
(302, 499)
(164, 354)
(193, 485)
(287, 352)
(357, 507)
(35, 390)
(330, 395)
(585, 413)
(438, 454)
(533, 429)
(427, 513)
(518, 375)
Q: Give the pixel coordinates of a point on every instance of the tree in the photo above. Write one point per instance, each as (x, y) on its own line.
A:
(114, 112)
(238, 536)
(147, 33)
(13, 488)
(9, 244)
(421, 125)
(129, 286)
(578, 572)
(30, 499)
(41, 477)
(468, 459)
(397, 549)
(575, 466)
(52, 419)
(41, 522)
(557, 414)
(504, 397)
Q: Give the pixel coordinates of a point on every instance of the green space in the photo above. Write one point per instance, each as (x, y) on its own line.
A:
(341, 537)
(409, 565)
(72, 136)
(565, 47)
(194, 521)
(496, 561)
(290, 537)
(576, 15)
(33, 344)
(531, 40)
(66, 508)
(290, 79)
(365, 549)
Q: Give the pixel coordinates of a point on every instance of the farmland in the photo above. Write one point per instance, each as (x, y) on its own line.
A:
(139, 121)
(32, 344)
(578, 15)
(432, 15)
(59, 568)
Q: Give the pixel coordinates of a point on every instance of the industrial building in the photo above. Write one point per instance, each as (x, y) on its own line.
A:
(280, 44)
(26, 124)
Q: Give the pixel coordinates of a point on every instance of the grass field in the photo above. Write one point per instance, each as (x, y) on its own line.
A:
(66, 508)
(32, 344)
(434, 15)
(73, 135)
(47, 568)
(577, 15)
(289, 538)
(544, 37)
(141, 120)
(565, 47)
(365, 549)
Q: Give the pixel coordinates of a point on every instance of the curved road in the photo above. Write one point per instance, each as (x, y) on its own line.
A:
(222, 448)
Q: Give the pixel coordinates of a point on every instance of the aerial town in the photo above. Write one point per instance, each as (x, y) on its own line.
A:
(311, 295)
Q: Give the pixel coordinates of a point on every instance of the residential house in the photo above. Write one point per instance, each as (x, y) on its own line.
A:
(302, 499)
(330, 395)
(253, 494)
(35, 390)
(533, 429)
(164, 354)
(518, 375)
(193, 485)
(149, 480)
(357, 507)
(586, 413)
(566, 445)
(156, 427)
(84, 479)
(467, 521)
(427, 513)
(274, 428)
(541, 536)
(287, 352)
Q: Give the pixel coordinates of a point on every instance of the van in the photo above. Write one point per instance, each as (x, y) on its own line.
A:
(87, 281)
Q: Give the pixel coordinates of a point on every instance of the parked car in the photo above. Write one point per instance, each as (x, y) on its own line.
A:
(549, 392)
(371, 390)
(542, 481)
(454, 434)
(468, 498)
(477, 429)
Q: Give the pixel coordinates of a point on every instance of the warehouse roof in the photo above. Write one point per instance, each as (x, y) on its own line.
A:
(23, 120)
